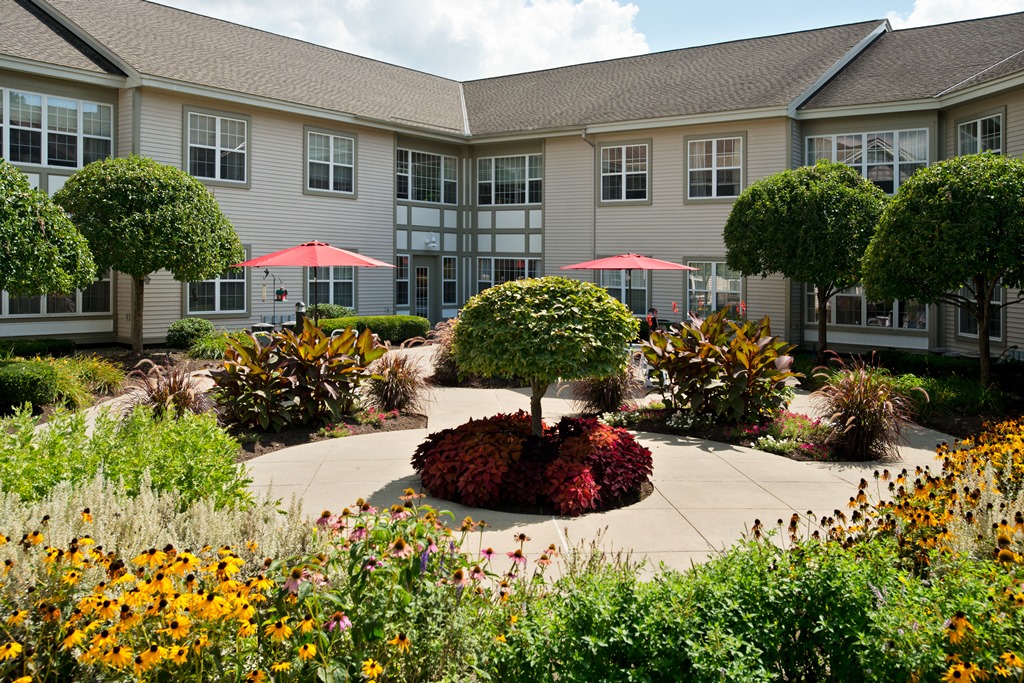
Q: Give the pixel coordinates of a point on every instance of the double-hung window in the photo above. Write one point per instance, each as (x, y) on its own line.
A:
(980, 135)
(509, 180)
(333, 285)
(495, 271)
(715, 167)
(852, 307)
(449, 280)
(712, 287)
(93, 299)
(218, 147)
(424, 177)
(887, 158)
(330, 165)
(630, 289)
(967, 324)
(401, 280)
(54, 131)
(225, 293)
(624, 171)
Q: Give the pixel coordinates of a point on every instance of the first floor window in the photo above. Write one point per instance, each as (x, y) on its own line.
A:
(333, 285)
(402, 281)
(449, 280)
(712, 287)
(629, 289)
(980, 135)
(852, 307)
(217, 147)
(623, 173)
(968, 324)
(887, 158)
(331, 163)
(224, 293)
(715, 168)
(423, 177)
(495, 271)
(92, 299)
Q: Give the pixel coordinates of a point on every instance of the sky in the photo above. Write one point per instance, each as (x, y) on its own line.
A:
(468, 39)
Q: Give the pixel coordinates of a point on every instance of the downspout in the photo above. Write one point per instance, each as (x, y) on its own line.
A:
(593, 194)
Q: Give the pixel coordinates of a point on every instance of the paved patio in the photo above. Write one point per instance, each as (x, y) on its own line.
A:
(706, 494)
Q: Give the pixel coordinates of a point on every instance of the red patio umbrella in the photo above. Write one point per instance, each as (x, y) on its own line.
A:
(628, 263)
(315, 255)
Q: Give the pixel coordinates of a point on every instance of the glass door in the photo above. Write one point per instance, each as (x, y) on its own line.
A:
(421, 301)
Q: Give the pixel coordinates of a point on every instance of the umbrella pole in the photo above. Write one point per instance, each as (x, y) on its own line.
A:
(629, 290)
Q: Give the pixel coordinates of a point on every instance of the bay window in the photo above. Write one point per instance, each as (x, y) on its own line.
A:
(886, 158)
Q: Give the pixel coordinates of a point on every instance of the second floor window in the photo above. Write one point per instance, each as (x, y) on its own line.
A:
(424, 177)
(980, 135)
(509, 180)
(54, 131)
(331, 160)
(623, 173)
(217, 147)
(887, 159)
(715, 168)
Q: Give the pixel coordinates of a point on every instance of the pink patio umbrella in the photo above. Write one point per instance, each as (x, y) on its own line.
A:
(314, 255)
(628, 263)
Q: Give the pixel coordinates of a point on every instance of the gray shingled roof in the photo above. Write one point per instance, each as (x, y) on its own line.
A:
(156, 40)
(745, 74)
(28, 33)
(924, 62)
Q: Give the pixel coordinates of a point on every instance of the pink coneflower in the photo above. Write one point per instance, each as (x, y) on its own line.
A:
(487, 554)
(476, 573)
(338, 621)
(358, 534)
(324, 519)
(517, 556)
(399, 548)
(399, 513)
(373, 564)
(296, 578)
(544, 560)
(459, 578)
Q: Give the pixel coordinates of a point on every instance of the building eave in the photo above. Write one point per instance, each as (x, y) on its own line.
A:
(62, 72)
(89, 40)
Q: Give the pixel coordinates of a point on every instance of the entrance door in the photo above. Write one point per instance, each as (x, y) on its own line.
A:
(421, 291)
(424, 286)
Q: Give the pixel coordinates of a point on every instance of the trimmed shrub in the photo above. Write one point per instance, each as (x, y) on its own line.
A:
(183, 333)
(27, 381)
(325, 311)
(397, 383)
(389, 328)
(580, 465)
(36, 347)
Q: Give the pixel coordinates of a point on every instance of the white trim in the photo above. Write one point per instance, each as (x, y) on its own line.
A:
(684, 120)
(990, 66)
(714, 168)
(331, 163)
(465, 111)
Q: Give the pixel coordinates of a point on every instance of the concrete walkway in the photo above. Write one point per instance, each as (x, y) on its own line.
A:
(706, 494)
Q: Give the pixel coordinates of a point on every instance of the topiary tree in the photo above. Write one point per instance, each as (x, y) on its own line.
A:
(543, 329)
(954, 233)
(811, 225)
(41, 251)
(140, 217)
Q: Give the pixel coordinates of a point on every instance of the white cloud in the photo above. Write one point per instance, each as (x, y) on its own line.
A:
(941, 11)
(461, 39)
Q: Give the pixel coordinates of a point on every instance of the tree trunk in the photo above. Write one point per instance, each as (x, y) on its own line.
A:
(983, 297)
(822, 299)
(138, 297)
(539, 389)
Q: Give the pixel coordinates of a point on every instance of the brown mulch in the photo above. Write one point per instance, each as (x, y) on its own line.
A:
(255, 444)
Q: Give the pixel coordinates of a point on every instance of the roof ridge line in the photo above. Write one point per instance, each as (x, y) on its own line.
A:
(465, 112)
(990, 66)
(134, 77)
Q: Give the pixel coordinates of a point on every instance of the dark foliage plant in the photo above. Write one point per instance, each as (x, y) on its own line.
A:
(579, 465)
(181, 334)
(606, 394)
(167, 390)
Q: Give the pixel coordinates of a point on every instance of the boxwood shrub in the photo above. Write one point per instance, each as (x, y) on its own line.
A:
(36, 347)
(390, 328)
(27, 382)
(183, 333)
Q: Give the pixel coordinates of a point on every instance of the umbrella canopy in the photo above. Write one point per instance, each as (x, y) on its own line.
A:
(628, 263)
(315, 255)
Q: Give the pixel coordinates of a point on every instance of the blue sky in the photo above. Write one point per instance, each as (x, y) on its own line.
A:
(467, 39)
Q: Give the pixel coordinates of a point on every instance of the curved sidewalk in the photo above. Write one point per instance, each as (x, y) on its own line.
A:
(706, 494)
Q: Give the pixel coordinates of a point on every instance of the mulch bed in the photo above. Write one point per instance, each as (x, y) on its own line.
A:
(255, 444)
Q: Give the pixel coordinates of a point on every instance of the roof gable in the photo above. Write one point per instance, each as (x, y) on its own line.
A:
(26, 32)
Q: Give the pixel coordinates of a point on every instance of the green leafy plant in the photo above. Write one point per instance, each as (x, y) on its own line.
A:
(253, 388)
(80, 377)
(396, 384)
(181, 334)
(327, 311)
(168, 390)
(866, 410)
(333, 431)
(394, 329)
(213, 347)
(32, 382)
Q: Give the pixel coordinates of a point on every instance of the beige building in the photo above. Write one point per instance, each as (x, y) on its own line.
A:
(464, 185)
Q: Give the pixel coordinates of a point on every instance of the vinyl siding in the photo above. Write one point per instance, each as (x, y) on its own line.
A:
(274, 213)
(568, 205)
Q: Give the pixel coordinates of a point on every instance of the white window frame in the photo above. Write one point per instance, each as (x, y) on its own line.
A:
(44, 303)
(718, 155)
(402, 265)
(333, 165)
(976, 139)
(963, 318)
(625, 171)
(45, 131)
(217, 281)
(614, 282)
(531, 183)
(449, 277)
(863, 164)
(487, 270)
(447, 189)
(220, 151)
(331, 275)
(898, 319)
(712, 294)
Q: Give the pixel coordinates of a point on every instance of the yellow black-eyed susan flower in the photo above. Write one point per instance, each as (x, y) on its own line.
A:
(372, 669)
(278, 667)
(9, 650)
(307, 651)
(402, 642)
(278, 630)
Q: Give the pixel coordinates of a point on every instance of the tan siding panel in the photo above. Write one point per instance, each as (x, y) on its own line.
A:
(568, 204)
(124, 123)
(767, 297)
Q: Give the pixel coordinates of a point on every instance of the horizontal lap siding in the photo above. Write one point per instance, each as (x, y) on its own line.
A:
(568, 204)
(274, 213)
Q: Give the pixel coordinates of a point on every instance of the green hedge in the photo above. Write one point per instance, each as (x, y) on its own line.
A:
(183, 333)
(27, 382)
(36, 347)
(390, 328)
